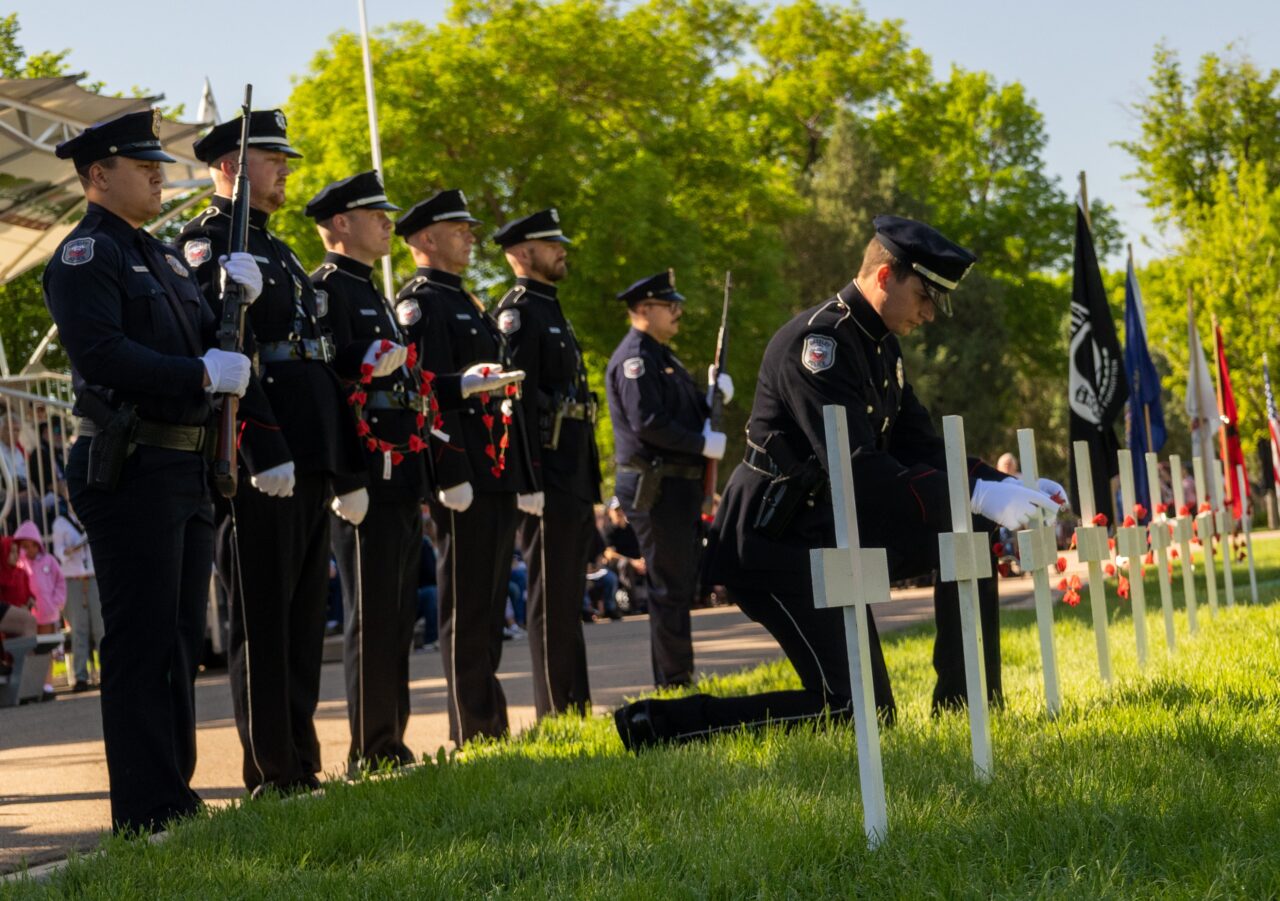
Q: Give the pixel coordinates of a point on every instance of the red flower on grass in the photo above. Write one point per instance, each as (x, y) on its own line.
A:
(1062, 564)
(1071, 599)
(1123, 588)
(1109, 569)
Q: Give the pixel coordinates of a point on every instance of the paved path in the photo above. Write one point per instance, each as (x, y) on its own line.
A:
(53, 776)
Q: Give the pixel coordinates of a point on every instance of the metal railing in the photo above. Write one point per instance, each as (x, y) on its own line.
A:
(36, 431)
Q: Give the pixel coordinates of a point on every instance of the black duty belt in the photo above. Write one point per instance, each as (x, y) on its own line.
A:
(391, 400)
(302, 349)
(669, 470)
(574, 410)
(761, 462)
(161, 434)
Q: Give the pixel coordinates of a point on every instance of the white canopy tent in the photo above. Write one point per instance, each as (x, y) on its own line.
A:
(40, 197)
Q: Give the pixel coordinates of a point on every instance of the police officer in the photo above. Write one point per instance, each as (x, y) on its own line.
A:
(844, 352)
(479, 458)
(560, 410)
(298, 448)
(662, 439)
(135, 327)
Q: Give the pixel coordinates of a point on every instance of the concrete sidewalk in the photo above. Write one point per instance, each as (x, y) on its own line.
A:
(53, 776)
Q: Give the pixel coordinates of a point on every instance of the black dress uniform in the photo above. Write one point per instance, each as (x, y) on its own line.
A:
(133, 323)
(274, 551)
(475, 446)
(377, 561)
(560, 417)
(658, 411)
(839, 352)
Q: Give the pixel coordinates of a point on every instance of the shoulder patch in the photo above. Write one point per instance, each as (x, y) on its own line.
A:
(509, 321)
(178, 269)
(818, 352)
(197, 252)
(633, 367)
(77, 252)
(322, 303)
(408, 312)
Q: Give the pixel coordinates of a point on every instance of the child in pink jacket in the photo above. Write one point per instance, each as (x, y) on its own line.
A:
(48, 587)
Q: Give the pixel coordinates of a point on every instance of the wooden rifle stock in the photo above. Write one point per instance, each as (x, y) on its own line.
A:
(231, 326)
(711, 476)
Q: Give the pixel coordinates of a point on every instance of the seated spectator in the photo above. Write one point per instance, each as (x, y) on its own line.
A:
(84, 609)
(48, 588)
(518, 588)
(622, 556)
(16, 621)
(601, 597)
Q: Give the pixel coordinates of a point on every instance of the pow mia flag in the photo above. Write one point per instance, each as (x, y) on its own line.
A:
(1097, 384)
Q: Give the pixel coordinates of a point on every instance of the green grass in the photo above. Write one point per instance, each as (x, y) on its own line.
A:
(1164, 785)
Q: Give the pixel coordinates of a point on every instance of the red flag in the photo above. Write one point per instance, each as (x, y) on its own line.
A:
(1229, 432)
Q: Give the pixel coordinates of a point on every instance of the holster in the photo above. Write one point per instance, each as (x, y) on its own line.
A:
(113, 443)
(794, 485)
(648, 482)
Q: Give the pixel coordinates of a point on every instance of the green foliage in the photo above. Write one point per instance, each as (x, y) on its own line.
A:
(15, 62)
(1161, 786)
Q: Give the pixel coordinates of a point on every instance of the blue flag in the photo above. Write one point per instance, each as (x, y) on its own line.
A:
(1144, 392)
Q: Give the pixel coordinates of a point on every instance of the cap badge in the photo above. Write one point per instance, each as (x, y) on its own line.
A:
(281, 122)
(818, 353)
(462, 197)
(156, 116)
(555, 216)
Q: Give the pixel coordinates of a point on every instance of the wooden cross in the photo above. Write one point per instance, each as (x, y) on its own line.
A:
(1038, 552)
(1245, 521)
(964, 558)
(851, 577)
(1183, 529)
(1131, 541)
(1222, 520)
(1204, 531)
(1092, 548)
(1160, 537)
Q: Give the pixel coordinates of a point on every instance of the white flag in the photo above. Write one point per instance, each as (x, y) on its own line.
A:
(1202, 401)
(207, 112)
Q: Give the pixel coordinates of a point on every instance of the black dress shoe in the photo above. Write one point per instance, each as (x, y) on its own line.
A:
(637, 727)
(81, 685)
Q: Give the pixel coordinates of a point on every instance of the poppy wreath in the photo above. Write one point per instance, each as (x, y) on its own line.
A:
(360, 397)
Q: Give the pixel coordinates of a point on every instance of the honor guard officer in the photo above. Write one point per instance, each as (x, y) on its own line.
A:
(662, 439)
(560, 411)
(135, 327)
(776, 507)
(480, 463)
(298, 447)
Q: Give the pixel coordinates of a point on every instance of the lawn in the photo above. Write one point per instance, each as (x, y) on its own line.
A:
(1162, 785)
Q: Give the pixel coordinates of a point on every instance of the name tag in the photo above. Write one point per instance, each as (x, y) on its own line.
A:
(555, 330)
(463, 315)
(141, 269)
(261, 259)
(368, 312)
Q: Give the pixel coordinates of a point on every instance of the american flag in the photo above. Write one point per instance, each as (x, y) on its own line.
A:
(1273, 422)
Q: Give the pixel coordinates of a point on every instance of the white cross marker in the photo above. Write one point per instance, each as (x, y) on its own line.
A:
(964, 558)
(1245, 520)
(1222, 520)
(1092, 548)
(1204, 531)
(851, 577)
(1160, 541)
(1131, 541)
(1182, 532)
(1039, 554)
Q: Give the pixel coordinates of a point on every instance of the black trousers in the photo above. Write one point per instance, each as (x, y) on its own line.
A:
(670, 537)
(473, 574)
(383, 554)
(276, 561)
(152, 545)
(814, 641)
(556, 546)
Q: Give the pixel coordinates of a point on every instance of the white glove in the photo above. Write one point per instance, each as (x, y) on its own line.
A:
(278, 481)
(386, 362)
(1011, 505)
(458, 498)
(1047, 487)
(228, 372)
(713, 443)
(531, 504)
(482, 377)
(243, 269)
(351, 506)
(724, 383)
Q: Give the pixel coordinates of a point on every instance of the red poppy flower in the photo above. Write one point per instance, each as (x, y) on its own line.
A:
(428, 376)
(506, 420)
(372, 444)
(1139, 511)
(438, 423)
(1100, 519)
(487, 420)
(484, 397)
(1149, 558)
(1062, 564)
(411, 356)
(1162, 509)
(396, 458)
(1111, 543)
(1184, 510)
(997, 548)
(1173, 553)
(384, 347)
(1123, 588)
(1109, 569)
(504, 442)
(362, 428)
(385, 446)
(1129, 522)
(1073, 541)
(1071, 599)
(416, 444)
(1075, 582)
(420, 419)
(491, 452)
(1205, 508)
(511, 389)
(366, 372)
(496, 471)
(1063, 586)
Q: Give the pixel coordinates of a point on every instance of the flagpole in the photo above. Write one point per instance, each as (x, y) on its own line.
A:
(1084, 202)
(1219, 350)
(375, 144)
(1146, 408)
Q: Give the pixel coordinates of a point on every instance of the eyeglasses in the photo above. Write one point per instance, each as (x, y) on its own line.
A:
(939, 298)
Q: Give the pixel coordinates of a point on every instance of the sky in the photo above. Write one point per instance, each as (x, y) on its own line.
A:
(1084, 63)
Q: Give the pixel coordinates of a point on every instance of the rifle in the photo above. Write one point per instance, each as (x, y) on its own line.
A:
(712, 474)
(231, 327)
